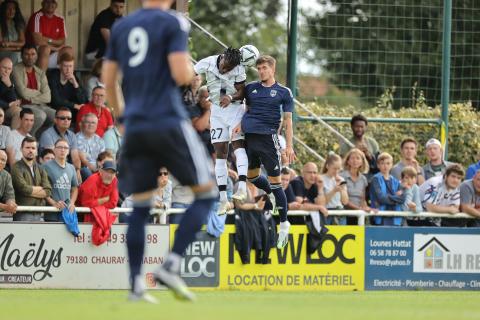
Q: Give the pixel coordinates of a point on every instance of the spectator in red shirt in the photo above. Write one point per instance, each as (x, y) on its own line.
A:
(100, 189)
(46, 30)
(31, 84)
(97, 107)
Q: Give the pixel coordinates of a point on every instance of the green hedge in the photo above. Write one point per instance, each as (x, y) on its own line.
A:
(463, 139)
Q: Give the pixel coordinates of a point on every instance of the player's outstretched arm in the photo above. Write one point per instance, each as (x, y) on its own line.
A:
(181, 68)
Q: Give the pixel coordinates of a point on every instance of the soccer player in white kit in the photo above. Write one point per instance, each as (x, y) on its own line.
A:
(225, 78)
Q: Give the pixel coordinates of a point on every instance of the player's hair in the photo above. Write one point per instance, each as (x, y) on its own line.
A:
(358, 117)
(407, 140)
(266, 59)
(409, 171)
(455, 168)
(28, 140)
(331, 158)
(384, 156)
(112, 1)
(232, 56)
(365, 166)
(285, 170)
(25, 111)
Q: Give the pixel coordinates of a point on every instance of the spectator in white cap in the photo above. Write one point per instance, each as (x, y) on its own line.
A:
(436, 165)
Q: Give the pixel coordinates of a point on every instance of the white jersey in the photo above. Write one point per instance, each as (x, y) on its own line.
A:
(222, 120)
(217, 81)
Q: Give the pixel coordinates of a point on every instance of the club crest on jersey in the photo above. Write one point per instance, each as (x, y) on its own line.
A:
(273, 93)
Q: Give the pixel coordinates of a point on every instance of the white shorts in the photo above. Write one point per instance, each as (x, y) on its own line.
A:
(223, 121)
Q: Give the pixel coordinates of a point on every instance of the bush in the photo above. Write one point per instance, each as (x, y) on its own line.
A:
(463, 139)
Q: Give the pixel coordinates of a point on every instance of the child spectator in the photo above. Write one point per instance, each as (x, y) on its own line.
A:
(334, 186)
(413, 201)
(45, 156)
(385, 192)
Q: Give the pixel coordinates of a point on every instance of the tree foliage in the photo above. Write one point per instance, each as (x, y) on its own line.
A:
(380, 46)
(463, 139)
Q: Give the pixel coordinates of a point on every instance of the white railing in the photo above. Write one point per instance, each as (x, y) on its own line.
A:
(360, 214)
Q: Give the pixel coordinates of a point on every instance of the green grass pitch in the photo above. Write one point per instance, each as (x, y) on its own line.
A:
(236, 305)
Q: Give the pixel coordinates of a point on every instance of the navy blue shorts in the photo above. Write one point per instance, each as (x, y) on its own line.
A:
(264, 149)
(179, 149)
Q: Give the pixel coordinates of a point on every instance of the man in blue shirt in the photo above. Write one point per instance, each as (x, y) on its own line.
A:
(266, 100)
(149, 48)
(473, 168)
(63, 180)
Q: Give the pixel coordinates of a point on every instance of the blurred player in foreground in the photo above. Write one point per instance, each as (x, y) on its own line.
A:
(149, 49)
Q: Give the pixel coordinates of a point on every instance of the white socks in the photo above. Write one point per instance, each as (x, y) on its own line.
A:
(221, 173)
(242, 166)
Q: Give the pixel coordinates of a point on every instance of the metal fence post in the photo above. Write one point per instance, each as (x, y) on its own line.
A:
(292, 51)
(446, 45)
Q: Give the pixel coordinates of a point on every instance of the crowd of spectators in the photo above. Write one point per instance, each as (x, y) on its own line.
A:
(59, 143)
(58, 140)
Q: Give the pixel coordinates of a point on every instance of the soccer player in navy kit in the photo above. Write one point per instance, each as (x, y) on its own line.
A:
(266, 99)
(149, 48)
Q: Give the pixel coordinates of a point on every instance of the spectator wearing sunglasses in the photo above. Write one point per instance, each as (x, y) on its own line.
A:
(60, 129)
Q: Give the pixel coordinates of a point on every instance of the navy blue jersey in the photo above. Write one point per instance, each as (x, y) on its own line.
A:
(140, 44)
(265, 106)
